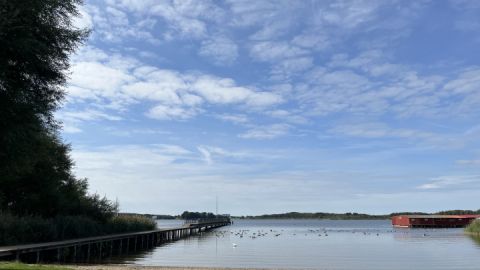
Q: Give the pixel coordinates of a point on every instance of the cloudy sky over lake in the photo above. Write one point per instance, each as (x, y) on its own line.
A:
(275, 106)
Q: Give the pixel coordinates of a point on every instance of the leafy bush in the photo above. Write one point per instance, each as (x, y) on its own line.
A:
(30, 229)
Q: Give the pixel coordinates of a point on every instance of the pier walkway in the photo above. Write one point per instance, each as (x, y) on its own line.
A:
(99, 247)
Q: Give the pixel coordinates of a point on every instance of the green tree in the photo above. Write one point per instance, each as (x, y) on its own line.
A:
(36, 39)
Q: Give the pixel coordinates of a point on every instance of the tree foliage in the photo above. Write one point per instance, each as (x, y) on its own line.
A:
(197, 215)
(36, 176)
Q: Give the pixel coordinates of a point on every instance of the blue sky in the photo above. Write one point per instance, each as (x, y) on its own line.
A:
(275, 106)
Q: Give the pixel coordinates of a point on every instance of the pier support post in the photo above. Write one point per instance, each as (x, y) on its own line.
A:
(135, 245)
(100, 251)
(88, 252)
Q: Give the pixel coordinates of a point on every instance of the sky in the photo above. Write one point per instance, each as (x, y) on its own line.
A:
(277, 106)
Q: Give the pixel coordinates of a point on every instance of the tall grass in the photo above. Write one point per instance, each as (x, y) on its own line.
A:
(474, 227)
(30, 229)
(132, 223)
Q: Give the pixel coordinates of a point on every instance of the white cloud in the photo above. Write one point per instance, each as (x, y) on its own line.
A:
(88, 115)
(455, 181)
(104, 79)
(113, 25)
(115, 82)
(225, 91)
(234, 118)
(163, 91)
(312, 40)
(288, 116)
(84, 20)
(273, 51)
(369, 85)
(378, 130)
(469, 162)
(467, 82)
(266, 132)
(135, 132)
(117, 17)
(165, 112)
(289, 67)
(348, 14)
(375, 130)
(372, 61)
(207, 156)
(171, 149)
(71, 120)
(253, 13)
(69, 128)
(273, 29)
(183, 19)
(222, 50)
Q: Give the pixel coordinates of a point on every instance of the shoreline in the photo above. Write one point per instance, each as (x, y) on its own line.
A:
(143, 267)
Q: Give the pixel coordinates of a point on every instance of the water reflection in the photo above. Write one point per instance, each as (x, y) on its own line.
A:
(475, 239)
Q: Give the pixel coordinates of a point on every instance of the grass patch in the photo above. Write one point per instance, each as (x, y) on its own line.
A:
(474, 227)
(22, 266)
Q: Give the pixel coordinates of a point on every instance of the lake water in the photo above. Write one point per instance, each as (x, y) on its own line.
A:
(318, 244)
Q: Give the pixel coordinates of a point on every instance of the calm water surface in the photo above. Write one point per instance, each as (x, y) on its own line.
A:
(318, 244)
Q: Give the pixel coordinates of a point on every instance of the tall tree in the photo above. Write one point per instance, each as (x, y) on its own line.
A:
(36, 39)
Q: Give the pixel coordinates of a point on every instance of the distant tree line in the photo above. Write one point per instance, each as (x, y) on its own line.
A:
(197, 215)
(318, 215)
(459, 212)
(351, 216)
(151, 216)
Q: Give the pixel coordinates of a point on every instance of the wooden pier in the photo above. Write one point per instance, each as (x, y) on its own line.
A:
(100, 247)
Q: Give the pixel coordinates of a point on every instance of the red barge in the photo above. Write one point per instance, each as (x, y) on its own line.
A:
(433, 221)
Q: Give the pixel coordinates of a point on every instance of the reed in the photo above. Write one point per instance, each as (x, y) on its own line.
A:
(474, 227)
(130, 223)
(16, 230)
